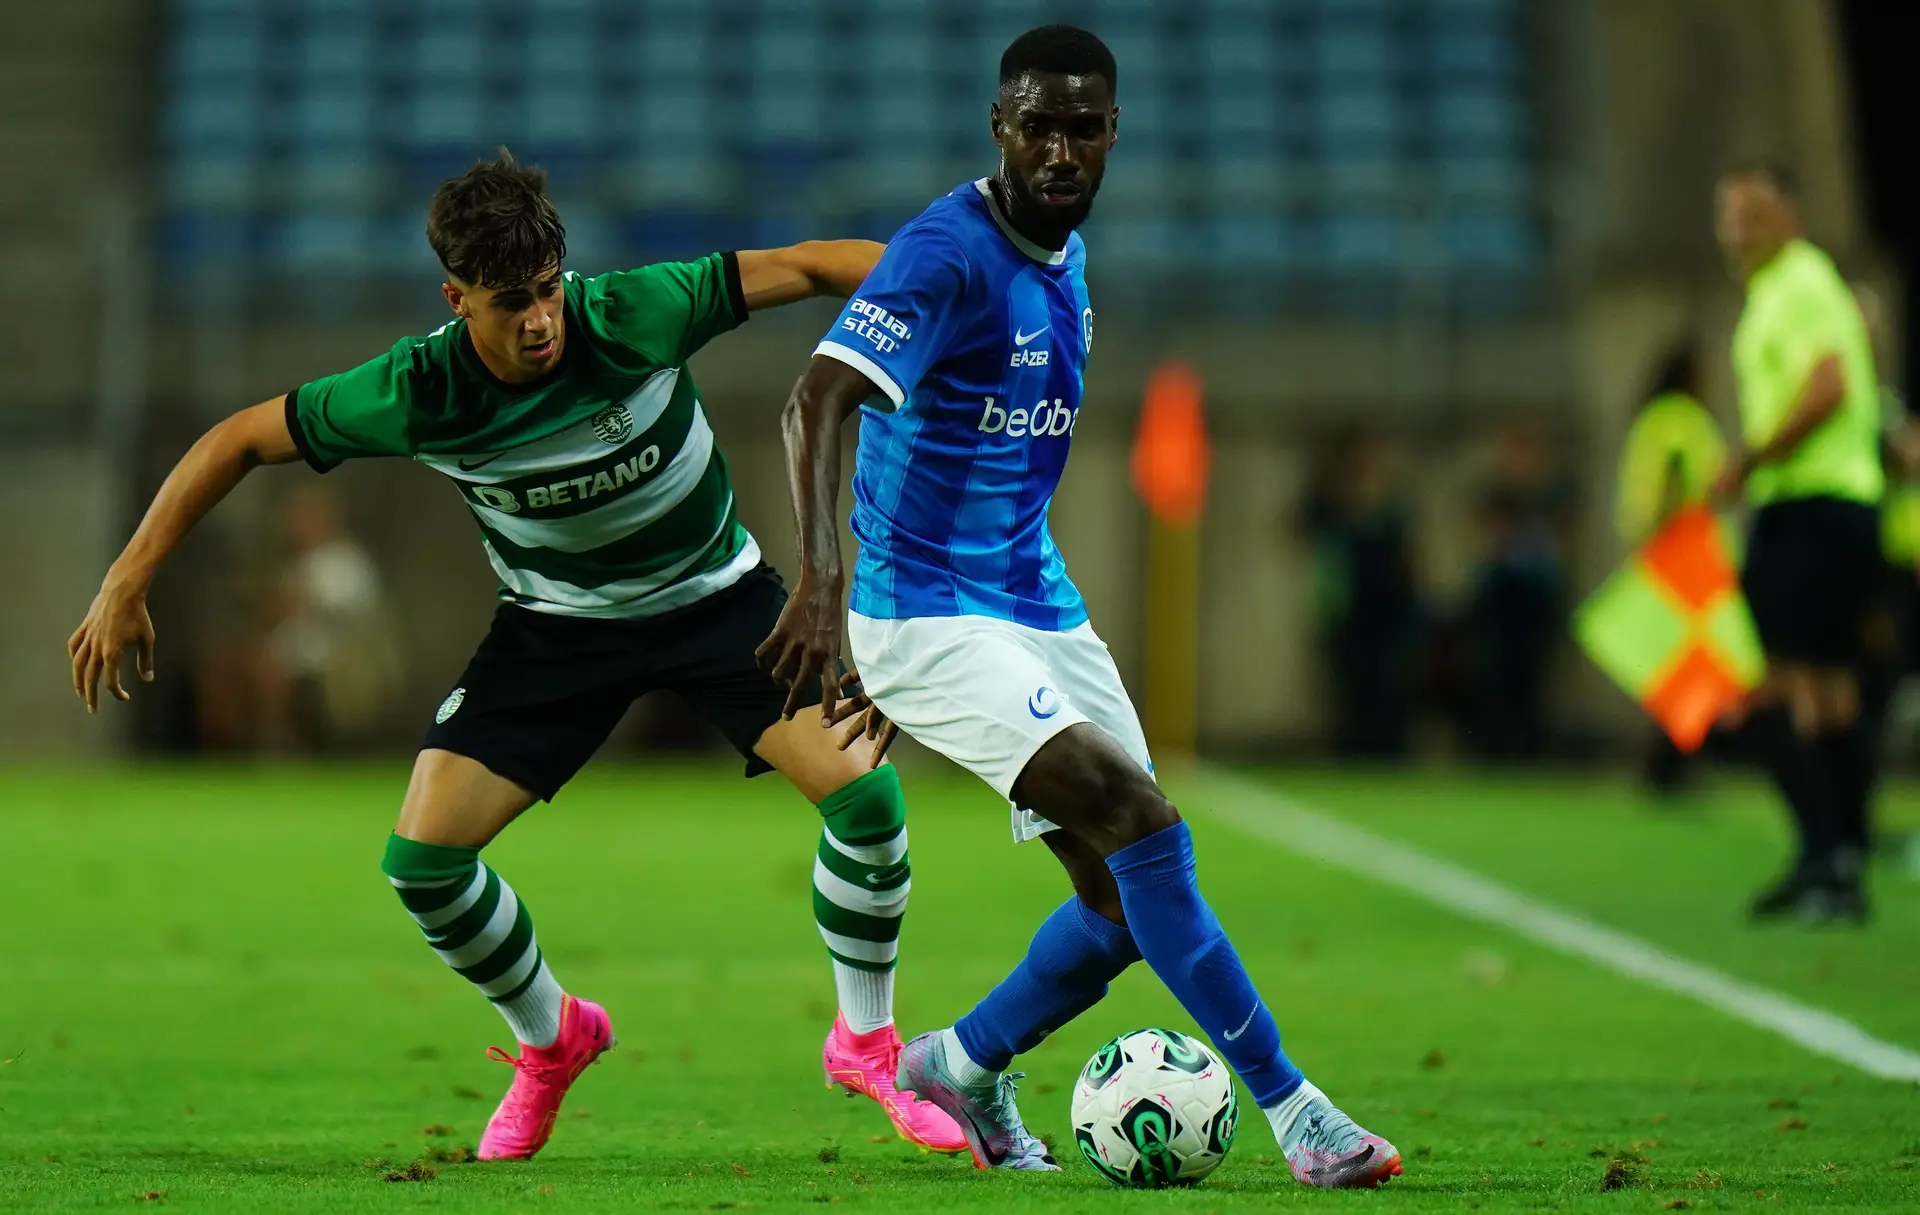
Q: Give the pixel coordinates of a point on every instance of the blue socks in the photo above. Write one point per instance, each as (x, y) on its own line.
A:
(1182, 940)
(1076, 953)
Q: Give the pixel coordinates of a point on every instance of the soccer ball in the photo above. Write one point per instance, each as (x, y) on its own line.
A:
(1154, 1108)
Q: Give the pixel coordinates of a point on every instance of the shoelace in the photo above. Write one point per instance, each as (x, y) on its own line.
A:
(530, 1066)
(1002, 1107)
(1328, 1130)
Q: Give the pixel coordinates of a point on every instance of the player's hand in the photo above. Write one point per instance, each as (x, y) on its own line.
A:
(868, 721)
(805, 646)
(117, 620)
(1731, 483)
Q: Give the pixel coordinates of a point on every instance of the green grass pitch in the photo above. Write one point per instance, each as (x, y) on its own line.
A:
(210, 1000)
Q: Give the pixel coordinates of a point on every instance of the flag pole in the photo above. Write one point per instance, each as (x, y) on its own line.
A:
(1171, 462)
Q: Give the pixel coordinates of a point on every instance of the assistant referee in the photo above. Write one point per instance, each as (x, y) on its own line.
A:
(1810, 423)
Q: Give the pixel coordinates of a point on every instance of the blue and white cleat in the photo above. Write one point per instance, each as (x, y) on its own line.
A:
(987, 1115)
(1325, 1148)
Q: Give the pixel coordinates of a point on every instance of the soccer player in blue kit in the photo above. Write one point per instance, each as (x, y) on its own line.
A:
(970, 337)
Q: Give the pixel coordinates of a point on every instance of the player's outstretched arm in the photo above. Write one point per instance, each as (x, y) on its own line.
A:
(805, 644)
(118, 619)
(772, 277)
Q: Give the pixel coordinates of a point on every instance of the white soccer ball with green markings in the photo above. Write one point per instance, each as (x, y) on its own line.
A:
(1154, 1108)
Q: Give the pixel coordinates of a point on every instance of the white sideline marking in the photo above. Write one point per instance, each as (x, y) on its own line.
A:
(1285, 822)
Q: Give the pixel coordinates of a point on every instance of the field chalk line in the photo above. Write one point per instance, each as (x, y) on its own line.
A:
(1283, 821)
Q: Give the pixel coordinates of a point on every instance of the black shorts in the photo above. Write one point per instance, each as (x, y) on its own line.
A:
(544, 691)
(1813, 569)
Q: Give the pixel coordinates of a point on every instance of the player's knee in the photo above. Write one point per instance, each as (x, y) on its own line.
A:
(870, 809)
(428, 875)
(1133, 806)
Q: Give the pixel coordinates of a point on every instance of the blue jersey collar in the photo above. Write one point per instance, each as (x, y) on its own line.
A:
(1046, 257)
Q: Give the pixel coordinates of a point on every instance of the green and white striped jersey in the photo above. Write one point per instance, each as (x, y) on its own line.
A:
(599, 490)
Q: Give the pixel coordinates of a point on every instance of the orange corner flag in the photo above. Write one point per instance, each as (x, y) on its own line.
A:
(1171, 454)
(1672, 629)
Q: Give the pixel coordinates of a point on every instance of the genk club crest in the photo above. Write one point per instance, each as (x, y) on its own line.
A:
(613, 425)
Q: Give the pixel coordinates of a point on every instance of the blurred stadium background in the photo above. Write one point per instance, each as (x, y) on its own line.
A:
(1426, 256)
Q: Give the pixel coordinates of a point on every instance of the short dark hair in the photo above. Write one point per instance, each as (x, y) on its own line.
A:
(1777, 172)
(1064, 49)
(493, 225)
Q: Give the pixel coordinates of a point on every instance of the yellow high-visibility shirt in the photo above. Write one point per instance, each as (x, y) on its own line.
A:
(1799, 311)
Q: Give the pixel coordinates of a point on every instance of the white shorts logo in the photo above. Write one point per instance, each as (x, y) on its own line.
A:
(450, 705)
(1044, 703)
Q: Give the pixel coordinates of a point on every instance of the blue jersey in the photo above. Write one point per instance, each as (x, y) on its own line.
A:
(978, 338)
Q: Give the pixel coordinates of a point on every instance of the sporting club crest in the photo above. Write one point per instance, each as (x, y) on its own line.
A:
(613, 425)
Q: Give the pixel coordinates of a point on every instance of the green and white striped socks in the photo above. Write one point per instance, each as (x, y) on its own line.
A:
(860, 884)
(479, 927)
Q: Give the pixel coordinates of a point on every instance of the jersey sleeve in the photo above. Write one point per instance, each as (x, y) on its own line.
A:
(362, 412)
(1809, 328)
(669, 310)
(904, 316)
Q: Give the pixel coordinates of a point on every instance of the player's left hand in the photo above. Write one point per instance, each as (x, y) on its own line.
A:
(1731, 483)
(804, 646)
(868, 721)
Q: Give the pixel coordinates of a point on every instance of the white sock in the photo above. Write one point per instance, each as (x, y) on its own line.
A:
(964, 1069)
(1282, 1116)
(866, 997)
(534, 1014)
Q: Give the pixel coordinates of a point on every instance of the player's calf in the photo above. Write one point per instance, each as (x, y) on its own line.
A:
(480, 928)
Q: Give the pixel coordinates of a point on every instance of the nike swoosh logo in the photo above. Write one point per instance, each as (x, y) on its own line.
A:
(1021, 339)
(874, 879)
(994, 1159)
(466, 467)
(1243, 1025)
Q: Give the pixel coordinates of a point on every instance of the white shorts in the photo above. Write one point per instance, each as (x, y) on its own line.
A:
(986, 693)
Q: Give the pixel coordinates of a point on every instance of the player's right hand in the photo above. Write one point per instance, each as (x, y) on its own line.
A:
(117, 620)
(805, 645)
(871, 723)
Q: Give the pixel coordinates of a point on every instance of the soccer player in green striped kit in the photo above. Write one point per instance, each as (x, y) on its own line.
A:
(562, 410)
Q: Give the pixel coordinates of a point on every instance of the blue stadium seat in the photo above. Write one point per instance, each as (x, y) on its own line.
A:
(1356, 124)
(1147, 243)
(330, 116)
(897, 55)
(320, 180)
(211, 183)
(433, 117)
(785, 106)
(674, 177)
(1362, 244)
(674, 51)
(238, 49)
(1478, 121)
(334, 54)
(795, 48)
(218, 114)
(1243, 181)
(1473, 52)
(330, 239)
(560, 52)
(669, 120)
(559, 109)
(1490, 242)
(1482, 183)
(438, 54)
(1352, 54)
(1257, 243)
(1138, 183)
(1405, 124)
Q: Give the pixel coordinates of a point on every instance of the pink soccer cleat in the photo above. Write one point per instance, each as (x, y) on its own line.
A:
(864, 1064)
(542, 1075)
